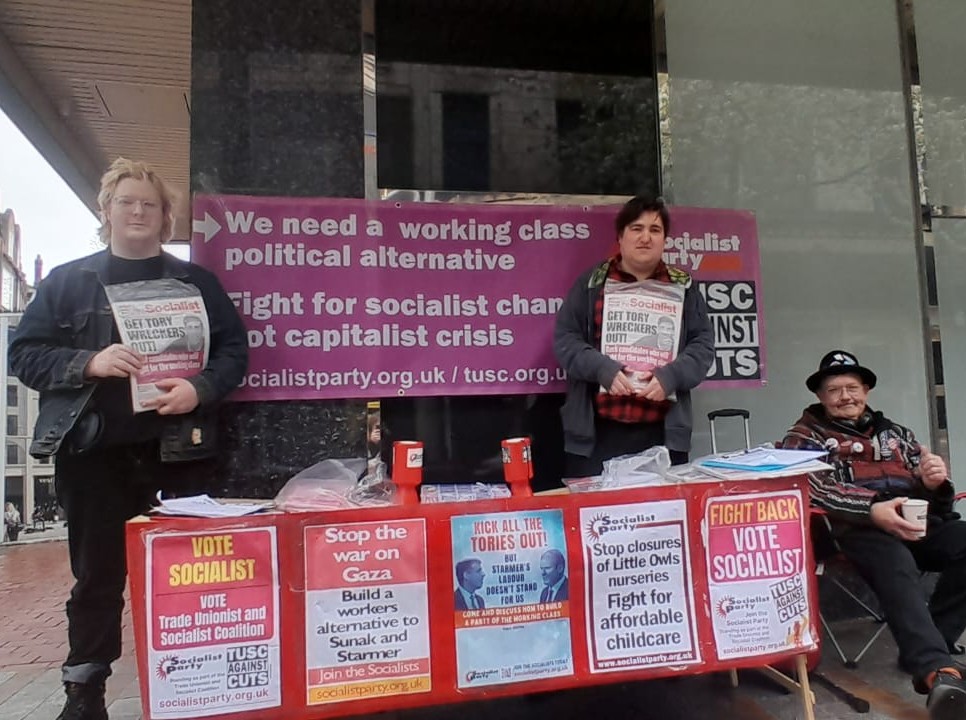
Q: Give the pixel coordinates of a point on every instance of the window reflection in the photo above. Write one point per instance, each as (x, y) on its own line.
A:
(496, 100)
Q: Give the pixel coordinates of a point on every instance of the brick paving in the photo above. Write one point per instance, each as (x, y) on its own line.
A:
(35, 635)
(35, 579)
(34, 582)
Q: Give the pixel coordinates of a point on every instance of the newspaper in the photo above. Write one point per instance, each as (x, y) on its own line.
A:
(641, 326)
(166, 322)
(699, 471)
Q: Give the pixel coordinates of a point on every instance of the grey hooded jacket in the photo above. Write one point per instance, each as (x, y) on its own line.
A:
(588, 369)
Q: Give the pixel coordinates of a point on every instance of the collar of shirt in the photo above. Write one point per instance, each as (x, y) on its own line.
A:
(614, 272)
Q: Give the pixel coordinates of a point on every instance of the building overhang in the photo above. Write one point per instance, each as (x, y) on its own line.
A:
(87, 81)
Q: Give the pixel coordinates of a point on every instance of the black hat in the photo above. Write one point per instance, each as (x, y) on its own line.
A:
(839, 362)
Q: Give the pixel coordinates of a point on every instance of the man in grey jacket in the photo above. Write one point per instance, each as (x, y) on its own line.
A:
(628, 418)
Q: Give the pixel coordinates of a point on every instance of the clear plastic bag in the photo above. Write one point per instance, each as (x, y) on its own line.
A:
(327, 485)
(375, 488)
(647, 468)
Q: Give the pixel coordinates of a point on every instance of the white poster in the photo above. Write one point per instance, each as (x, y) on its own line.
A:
(640, 604)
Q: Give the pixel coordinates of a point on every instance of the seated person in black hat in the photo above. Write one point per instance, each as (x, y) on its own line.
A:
(878, 464)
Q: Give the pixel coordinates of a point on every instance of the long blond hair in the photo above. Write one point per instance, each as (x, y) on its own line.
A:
(121, 169)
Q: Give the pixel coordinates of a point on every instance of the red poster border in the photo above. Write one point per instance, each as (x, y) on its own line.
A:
(440, 587)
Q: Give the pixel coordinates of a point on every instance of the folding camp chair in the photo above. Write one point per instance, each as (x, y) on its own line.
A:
(827, 552)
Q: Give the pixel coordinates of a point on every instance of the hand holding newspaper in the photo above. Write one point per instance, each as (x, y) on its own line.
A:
(640, 327)
(166, 322)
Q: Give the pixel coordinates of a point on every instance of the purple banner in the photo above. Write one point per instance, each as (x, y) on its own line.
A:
(349, 298)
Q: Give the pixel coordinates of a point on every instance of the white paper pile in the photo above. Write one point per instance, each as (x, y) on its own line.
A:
(204, 506)
(755, 464)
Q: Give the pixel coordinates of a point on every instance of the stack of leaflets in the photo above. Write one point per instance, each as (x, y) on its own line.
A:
(753, 464)
(462, 493)
(204, 506)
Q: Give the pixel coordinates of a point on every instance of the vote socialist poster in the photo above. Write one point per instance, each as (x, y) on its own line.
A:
(213, 629)
(757, 574)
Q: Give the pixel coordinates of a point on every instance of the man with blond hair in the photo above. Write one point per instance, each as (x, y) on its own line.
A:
(110, 461)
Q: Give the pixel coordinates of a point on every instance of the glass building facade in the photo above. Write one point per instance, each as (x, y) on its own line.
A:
(840, 127)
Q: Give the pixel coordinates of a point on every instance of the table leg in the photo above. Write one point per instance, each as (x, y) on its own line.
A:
(808, 699)
(788, 683)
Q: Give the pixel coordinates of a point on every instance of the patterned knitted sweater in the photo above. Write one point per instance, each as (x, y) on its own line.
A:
(872, 461)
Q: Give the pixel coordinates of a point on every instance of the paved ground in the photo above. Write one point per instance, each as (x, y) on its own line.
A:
(34, 579)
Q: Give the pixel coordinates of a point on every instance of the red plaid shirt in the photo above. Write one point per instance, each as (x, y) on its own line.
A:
(627, 408)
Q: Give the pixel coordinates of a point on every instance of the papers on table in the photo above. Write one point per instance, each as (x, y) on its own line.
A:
(754, 464)
(204, 506)
(762, 459)
(451, 492)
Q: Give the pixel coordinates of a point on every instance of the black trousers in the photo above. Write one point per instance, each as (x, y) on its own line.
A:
(614, 439)
(100, 491)
(924, 630)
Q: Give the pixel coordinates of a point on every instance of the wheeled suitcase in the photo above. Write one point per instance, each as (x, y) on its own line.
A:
(728, 413)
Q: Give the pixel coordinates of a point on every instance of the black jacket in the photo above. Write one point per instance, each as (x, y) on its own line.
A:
(70, 320)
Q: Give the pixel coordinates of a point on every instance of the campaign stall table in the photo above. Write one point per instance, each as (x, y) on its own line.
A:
(328, 614)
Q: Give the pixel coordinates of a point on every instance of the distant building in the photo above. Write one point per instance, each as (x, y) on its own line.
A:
(14, 288)
(27, 482)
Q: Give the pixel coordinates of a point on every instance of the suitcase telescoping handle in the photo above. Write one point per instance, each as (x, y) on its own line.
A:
(728, 413)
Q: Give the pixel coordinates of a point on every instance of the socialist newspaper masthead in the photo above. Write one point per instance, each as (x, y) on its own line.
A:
(166, 322)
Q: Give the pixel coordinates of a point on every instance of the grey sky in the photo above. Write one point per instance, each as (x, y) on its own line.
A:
(54, 223)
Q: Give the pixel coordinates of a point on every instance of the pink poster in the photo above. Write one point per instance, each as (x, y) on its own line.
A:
(352, 298)
(757, 573)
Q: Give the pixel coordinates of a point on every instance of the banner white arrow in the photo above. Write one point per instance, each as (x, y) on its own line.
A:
(208, 227)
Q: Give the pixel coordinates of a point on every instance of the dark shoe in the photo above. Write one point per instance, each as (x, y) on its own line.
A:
(958, 665)
(922, 684)
(84, 702)
(957, 649)
(947, 695)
